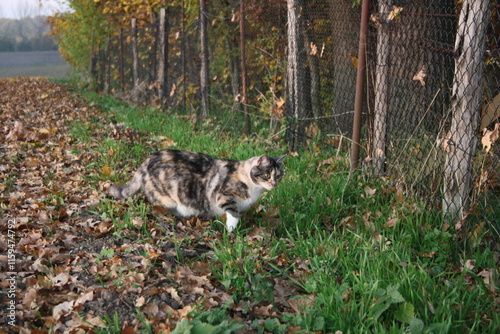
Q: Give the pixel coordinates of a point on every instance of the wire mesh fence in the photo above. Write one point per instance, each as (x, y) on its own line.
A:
(431, 103)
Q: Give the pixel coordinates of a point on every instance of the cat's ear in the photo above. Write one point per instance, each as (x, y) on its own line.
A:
(279, 160)
(261, 159)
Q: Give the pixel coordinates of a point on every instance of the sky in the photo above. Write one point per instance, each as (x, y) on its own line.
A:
(15, 9)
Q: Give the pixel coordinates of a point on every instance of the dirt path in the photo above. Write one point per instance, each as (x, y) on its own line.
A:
(62, 280)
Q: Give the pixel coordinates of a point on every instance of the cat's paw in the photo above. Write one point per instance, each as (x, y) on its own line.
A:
(231, 222)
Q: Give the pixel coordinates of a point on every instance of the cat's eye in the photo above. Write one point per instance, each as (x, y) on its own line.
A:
(267, 176)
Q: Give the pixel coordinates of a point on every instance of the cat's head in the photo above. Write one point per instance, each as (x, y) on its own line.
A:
(266, 171)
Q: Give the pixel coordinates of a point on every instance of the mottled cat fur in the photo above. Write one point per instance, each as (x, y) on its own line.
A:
(190, 184)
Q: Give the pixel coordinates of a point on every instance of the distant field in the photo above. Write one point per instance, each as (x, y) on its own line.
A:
(33, 64)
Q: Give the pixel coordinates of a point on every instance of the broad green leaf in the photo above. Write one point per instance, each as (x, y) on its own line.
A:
(416, 326)
(183, 327)
(379, 308)
(203, 328)
(393, 295)
(405, 313)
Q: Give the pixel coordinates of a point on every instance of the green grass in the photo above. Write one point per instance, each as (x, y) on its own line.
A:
(370, 262)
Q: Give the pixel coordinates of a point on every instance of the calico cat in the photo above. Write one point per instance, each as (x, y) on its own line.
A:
(195, 184)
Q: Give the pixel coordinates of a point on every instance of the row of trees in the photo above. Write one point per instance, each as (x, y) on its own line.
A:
(26, 34)
(42, 43)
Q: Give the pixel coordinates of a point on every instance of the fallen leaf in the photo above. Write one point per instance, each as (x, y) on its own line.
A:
(391, 222)
(140, 301)
(85, 297)
(62, 309)
(469, 265)
(369, 191)
(429, 254)
(301, 303)
(173, 293)
(106, 172)
(488, 276)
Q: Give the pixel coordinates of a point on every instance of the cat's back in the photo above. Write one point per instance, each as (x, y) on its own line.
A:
(184, 162)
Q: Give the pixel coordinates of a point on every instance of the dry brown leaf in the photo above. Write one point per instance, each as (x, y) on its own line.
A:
(83, 298)
(490, 137)
(140, 302)
(469, 265)
(488, 276)
(429, 254)
(314, 49)
(395, 13)
(62, 309)
(421, 75)
(391, 222)
(369, 191)
(301, 303)
(173, 293)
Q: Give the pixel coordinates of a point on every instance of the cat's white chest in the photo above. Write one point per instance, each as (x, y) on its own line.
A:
(254, 195)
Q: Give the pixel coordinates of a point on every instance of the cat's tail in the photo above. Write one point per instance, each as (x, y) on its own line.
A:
(118, 191)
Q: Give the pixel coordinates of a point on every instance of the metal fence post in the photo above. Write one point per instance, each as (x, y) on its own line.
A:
(360, 86)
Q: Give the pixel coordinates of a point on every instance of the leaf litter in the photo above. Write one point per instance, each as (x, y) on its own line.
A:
(73, 269)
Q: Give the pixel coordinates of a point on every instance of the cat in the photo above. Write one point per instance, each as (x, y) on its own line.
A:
(190, 184)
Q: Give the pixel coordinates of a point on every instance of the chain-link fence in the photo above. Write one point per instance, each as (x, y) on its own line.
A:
(431, 102)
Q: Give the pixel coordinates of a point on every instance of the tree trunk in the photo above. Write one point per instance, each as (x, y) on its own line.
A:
(234, 63)
(465, 103)
(313, 63)
(183, 55)
(204, 72)
(121, 60)
(163, 57)
(381, 90)
(295, 76)
(244, 97)
(135, 56)
(107, 68)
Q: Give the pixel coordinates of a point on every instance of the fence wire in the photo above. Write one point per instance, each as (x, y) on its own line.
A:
(414, 130)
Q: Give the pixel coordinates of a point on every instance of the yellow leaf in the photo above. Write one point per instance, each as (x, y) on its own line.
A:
(106, 171)
(354, 59)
